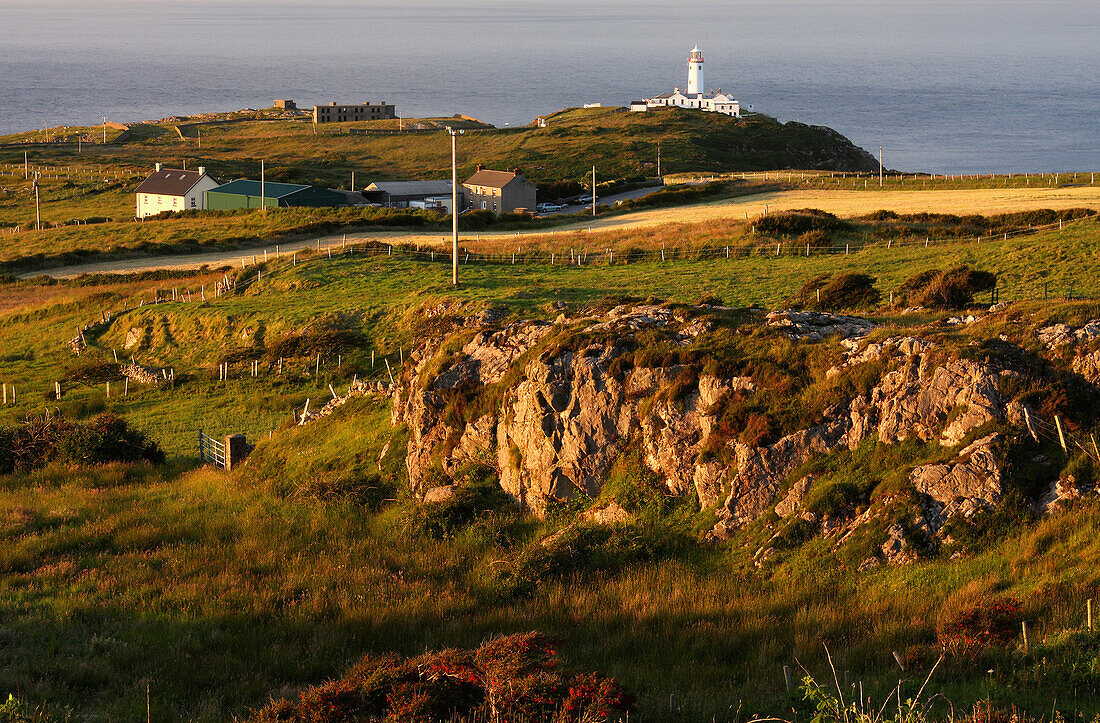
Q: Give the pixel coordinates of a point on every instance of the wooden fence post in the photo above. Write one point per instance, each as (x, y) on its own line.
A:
(1023, 627)
(1061, 436)
(787, 677)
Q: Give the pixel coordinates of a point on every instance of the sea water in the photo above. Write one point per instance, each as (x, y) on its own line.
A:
(957, 87)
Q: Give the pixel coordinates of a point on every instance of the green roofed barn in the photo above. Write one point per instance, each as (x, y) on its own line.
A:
(244, 193)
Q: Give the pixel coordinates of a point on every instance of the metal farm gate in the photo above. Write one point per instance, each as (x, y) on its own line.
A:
(211, 450)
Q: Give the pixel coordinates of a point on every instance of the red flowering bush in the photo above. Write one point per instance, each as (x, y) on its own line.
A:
(971, 630)
(508, 678)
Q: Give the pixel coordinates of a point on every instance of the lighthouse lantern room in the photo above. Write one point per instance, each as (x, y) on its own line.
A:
(695, 71)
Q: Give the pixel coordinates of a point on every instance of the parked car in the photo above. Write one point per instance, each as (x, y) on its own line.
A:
(548, 207)
(584, 200)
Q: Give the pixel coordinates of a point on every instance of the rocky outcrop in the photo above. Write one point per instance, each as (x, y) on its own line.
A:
(815, 326)
(964, 486)
(929, 401)
(759, 472)
(562, 427)
(1086, 359)
(552, 407)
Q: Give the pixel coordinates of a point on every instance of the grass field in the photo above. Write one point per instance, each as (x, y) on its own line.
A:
(221, 590)
(219, 595)
(375, 295)
(562, 151)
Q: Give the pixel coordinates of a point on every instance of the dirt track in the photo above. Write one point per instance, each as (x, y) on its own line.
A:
(842, 203)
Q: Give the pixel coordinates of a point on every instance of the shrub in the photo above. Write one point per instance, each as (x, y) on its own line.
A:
(107, 438)
(92, 371)
(513, 677)
(847, 291)
(950, 289)
(968, 632)
(477, 496)
(798, 221)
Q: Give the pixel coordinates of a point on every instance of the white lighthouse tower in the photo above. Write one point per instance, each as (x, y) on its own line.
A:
(695, 71)
(695, 97)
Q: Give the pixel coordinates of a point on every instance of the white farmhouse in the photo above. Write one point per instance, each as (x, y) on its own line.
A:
(695, 97)
(170, 189)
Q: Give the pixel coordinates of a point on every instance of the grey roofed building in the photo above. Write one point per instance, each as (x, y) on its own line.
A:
(499, 191)
(170, 181)
(400, 193)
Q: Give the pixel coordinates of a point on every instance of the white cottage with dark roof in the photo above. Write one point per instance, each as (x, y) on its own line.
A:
(172, 189)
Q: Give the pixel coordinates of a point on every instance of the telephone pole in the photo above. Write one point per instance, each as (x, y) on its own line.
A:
(263, 188)
(880, 166)
(104, 129)
(454, 205)
(37, 208)
(593, 190)
(658, 159)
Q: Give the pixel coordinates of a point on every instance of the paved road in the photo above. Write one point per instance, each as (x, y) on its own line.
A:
(842, 203)
(607, 200)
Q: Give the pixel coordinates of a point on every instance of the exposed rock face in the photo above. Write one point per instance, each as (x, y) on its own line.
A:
(1086, 360)
(918, 398)
(562, 427)
(760, 471)
(970, 483)
(814, 326)
(566, 414)
(134, 337)
(790, 504)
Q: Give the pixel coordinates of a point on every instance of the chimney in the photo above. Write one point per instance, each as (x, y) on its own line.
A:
(156, 167)
(480, 167)
(202, 170)
(515, 171)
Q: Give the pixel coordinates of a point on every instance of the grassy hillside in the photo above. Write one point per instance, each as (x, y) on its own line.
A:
(222, 590)
(623, 145)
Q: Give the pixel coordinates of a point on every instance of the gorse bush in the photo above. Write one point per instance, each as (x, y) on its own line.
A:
(107, 438)
(950, 289)
(513, 678)
(797, 222)
(91, 371)
(846, 291)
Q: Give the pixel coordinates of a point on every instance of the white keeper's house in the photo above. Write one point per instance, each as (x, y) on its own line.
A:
(695, 97)
(171, 189)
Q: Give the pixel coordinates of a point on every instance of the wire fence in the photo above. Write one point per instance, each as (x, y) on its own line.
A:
(64, 173)
(581, 256)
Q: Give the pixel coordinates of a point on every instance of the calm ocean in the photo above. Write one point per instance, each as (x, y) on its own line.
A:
(960, 86)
